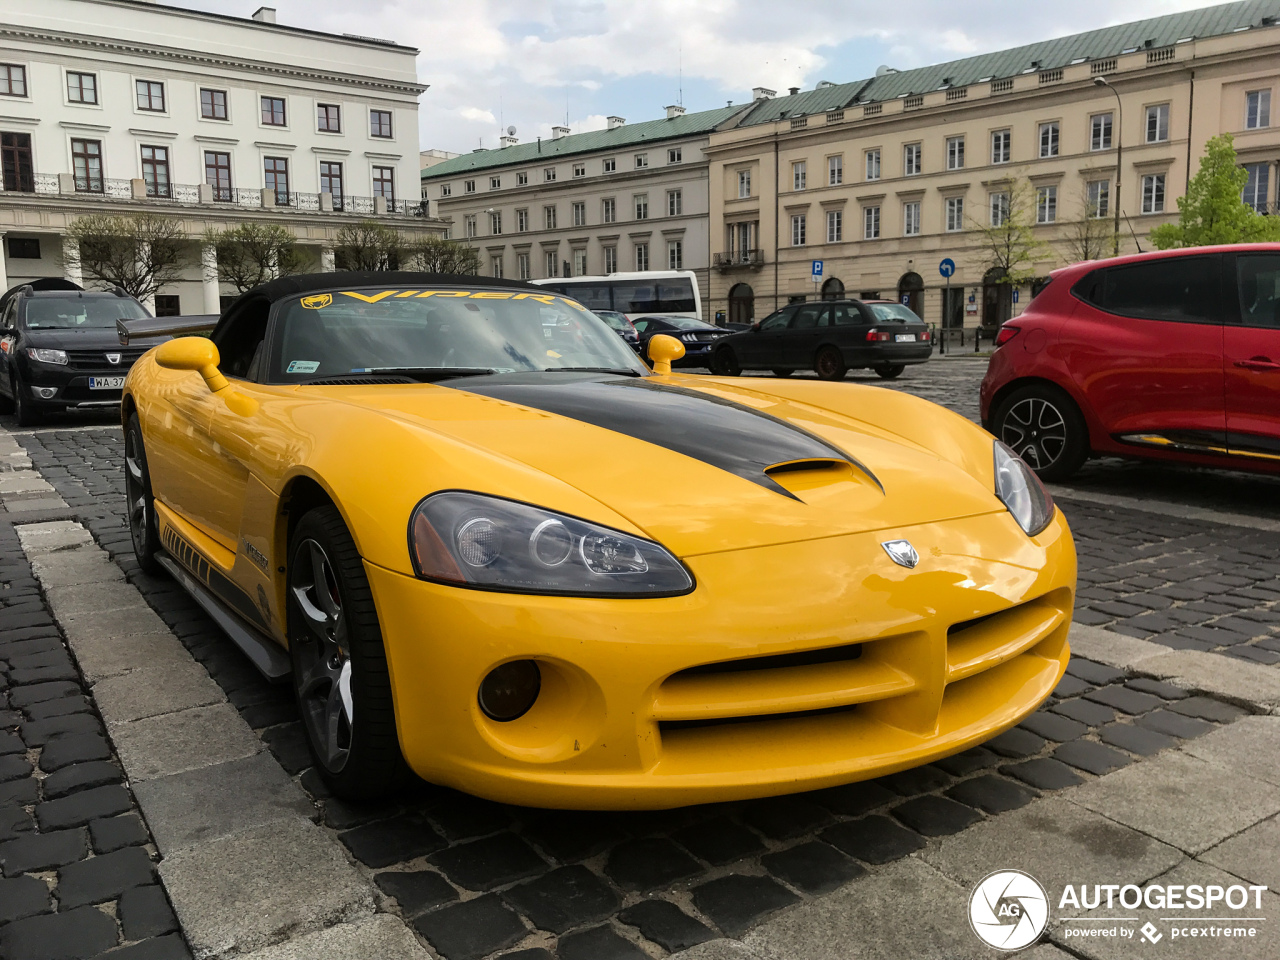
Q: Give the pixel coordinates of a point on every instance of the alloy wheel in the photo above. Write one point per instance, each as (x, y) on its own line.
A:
(1036, 431)
(135, 489)
(324, 655)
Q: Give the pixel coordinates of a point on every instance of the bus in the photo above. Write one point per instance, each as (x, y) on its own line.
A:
(653, 293)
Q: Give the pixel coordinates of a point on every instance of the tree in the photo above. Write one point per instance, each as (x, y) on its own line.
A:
(435, 254)
(1214, 211)
(1089, 237)
(139, 253)
(368, 245)
(1010, 246)
(254, 253)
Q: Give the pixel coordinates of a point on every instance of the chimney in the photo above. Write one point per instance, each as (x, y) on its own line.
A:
(265, 15)
(674, 111)
(616, 122)
(558, 132)
(763, 93)
(793, 90)
(508, 141)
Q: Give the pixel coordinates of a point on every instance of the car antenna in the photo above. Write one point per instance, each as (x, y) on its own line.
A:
(1131, 230)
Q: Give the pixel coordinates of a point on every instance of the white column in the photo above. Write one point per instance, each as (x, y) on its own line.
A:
(71, 262)
(209, 278)
(4, 274)
(326, 260)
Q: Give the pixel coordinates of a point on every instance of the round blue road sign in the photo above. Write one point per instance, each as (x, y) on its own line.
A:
(947, 267)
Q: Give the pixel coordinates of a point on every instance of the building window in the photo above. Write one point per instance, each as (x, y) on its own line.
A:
(495, 266)
(911, 159)
(552, 258)
(1100, 131)
(579, 214)
(549, 217)
(798, 230)
(495, 223)
(579, 263)
(675, 254)
(168, 305)
(1049, 139)
(798, 175)
(328, 118)
(642, 161)
(24, 248)
(150, 95)
(273, 111)
(1257, 186)
(522, 178)
(871, 223)
(955, 214)
(1158, 123)
(1257, 109)
(911, 219)
(1098, 197)
(1046, 204)
(835, 226)
(155, 171)
(999, 209)
(83, 87)
(86, 160)
(217, 173)
(380, 124)
(331, 181)
(955, 153)
(642, 206)
(1001, 146)
(744, 184)
(873, 164)
(275, 172)
(446, 190)
(675, 203)
(522, 266)
(642, 256)
(213, 104)
(835, 171)
(468, 186)
(522, 221)
(579, 170)
(13, 80)
(384, 183)
(610, 260)
(548, 174)
(611, 165)
(675, 155)
(608, 210)
(1153, 193)
(469, 228)
(495, 183)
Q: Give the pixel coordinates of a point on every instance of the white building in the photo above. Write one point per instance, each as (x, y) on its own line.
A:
(125, 106)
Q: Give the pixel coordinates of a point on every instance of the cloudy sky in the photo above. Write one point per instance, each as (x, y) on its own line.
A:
(532, 63)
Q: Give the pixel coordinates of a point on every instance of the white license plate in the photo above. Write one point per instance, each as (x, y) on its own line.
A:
(111, 383)
(905, 338)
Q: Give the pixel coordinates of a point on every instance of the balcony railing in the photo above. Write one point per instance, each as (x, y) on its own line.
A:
(739, 260)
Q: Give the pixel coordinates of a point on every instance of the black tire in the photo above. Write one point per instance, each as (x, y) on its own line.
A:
(141, 502)
(23, 409)
(1043, 425)
(724, 363)
(829, 364)
(335, 638)
(887, 371)
(779, 372)
(6, 403)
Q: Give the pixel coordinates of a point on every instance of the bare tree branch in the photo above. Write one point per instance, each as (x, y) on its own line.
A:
(139, 253)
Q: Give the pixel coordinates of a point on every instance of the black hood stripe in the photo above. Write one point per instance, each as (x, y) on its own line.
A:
(720, 432)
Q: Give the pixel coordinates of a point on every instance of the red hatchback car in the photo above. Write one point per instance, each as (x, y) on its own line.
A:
(1172, 356)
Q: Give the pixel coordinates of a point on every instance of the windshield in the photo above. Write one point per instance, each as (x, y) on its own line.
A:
(81, 313)
(893, 311)
(616, 320)
(461, 331)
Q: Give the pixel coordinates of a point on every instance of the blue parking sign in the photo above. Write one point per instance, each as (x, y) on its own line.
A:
(817, 269)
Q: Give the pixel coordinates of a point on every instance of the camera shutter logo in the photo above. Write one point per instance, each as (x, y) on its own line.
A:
(1008, 909)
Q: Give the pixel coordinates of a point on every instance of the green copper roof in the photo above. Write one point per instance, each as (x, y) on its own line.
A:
(628, 135)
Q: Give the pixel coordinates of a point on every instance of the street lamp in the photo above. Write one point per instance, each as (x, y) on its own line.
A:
(1102, 82)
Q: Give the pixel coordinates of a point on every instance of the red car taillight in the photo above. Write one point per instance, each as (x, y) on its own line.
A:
(874, 335)
(926, 335)
(1006, 334)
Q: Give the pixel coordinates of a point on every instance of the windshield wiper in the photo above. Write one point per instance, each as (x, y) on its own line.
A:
(618, 372)
(426, 374)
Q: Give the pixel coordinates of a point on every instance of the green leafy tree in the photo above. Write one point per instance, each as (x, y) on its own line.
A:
(368, 245)
(253, 253)
(1010, 247)
(139, 253)
(435, 254)
(1214, 211)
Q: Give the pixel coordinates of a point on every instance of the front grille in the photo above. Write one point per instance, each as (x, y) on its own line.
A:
(97, 359)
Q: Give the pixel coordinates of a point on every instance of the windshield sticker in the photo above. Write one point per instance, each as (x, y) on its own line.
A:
(303, 366)
(319, 301)
(324, 299)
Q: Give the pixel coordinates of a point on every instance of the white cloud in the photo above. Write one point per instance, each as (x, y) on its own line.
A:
(476, 115)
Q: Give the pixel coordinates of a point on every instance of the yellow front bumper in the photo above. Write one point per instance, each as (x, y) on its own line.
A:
(911, 666)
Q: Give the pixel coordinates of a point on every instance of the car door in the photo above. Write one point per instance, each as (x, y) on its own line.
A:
(762, 346)
(1251, 357)
(8, 343)
(800, 342)
(1144, 346)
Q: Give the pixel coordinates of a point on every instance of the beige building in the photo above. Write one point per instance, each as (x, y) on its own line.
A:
(883, 178)
(630, 197)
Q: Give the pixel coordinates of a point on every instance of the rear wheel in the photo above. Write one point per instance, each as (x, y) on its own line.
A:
(23, 407)
(143, 529)
(724, 363)
(829, 364)
(779, 372)
(340, 674)
(887, 371)
(1043, 426)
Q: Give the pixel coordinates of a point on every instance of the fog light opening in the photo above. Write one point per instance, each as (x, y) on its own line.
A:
(45, 393)
(509, 690)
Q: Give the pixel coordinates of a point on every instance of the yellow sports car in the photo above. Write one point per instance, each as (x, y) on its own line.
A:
(492, 547)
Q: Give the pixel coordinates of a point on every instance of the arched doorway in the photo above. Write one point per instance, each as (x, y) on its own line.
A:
(742, 303)
(911, 292)
(997, 298)
(833, 289)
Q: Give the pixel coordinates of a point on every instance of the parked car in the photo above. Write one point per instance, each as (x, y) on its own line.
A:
(829, 337)
(59, 349)
(621, 326)
(698, 336)
(1170, 356)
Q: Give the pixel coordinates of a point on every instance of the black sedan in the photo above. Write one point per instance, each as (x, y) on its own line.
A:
(830, 337)
(59, 350)
(620, 325)
(696, 335)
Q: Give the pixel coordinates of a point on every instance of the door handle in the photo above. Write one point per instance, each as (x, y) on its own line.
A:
(1258, 363)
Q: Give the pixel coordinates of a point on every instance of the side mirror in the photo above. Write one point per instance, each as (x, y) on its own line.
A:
(755, 327)
(193, 353)
(663, 350)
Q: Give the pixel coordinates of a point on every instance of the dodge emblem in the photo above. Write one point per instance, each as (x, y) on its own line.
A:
(113, 358)
(901, 552)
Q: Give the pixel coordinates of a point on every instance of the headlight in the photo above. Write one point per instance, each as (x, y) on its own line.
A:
(47, 356)
(1020, 490)
(496, 544)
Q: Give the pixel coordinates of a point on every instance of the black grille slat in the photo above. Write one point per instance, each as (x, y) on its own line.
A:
(779, 661)
(97, 359)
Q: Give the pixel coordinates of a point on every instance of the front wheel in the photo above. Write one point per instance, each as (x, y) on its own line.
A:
(1043, 426)
(829, 364)
(887, 371)
(724, 363)
(143, 529)
(24, 410)
(340, 675)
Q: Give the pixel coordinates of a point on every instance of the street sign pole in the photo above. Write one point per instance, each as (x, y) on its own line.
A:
(947, 267)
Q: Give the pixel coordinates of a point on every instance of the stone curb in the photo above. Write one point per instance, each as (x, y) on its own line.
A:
(1180, 511)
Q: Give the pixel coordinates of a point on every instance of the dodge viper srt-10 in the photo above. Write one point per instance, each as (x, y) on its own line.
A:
(493, 547)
